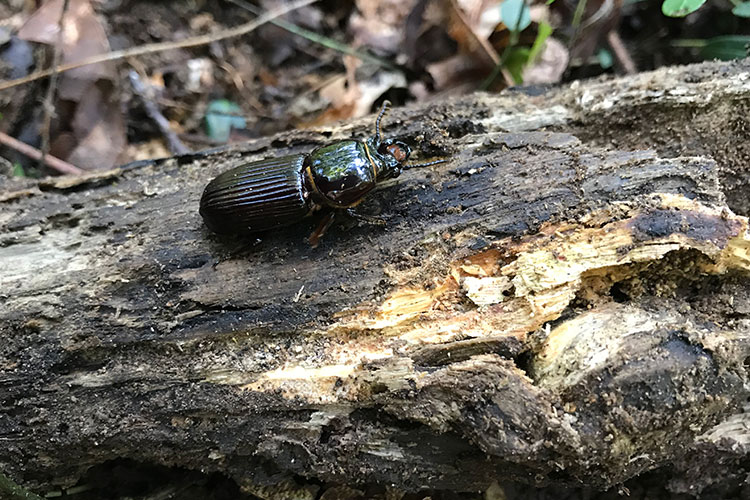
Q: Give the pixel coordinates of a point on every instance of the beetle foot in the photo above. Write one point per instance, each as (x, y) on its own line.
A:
(323, 226)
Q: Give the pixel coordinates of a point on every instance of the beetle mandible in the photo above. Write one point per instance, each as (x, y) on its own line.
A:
(276, 192)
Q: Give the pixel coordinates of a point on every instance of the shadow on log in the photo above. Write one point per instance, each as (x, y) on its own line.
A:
(537, 309)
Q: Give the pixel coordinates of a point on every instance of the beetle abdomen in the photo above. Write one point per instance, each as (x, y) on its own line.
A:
(256, 196)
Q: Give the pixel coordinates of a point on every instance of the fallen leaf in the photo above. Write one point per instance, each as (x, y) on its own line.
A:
(380, 23)
(99, 126)
(82, 36)
(549, 66)
(599, 18)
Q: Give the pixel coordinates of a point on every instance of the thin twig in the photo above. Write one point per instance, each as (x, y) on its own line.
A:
(621, 52)
(35, 154)
(578, 17)
(48, 106)
(316, 38)
(242, 29)
(487, 48)
(174, 143)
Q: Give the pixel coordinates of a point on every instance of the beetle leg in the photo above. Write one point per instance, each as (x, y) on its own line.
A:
(323, 226)
(377, 221)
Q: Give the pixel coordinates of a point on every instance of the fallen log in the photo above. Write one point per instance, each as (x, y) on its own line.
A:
(539, 309)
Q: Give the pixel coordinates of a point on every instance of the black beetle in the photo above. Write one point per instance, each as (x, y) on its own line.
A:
(276, 192)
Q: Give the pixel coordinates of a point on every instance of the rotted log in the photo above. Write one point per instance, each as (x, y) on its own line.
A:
(537, 309)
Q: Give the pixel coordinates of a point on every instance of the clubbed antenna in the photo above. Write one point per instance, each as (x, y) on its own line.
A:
(383, 111)
(427, 164)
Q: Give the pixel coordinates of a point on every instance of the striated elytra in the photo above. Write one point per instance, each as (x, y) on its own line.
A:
(276, 192)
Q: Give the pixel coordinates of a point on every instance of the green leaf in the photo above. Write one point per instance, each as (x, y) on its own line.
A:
(605, 58)
(545, 30)
(18, 170)
(742, 10)
(10, 490)
(515, 15)
(680, 8)
(221, 117)
(517, 58)
(726, 47)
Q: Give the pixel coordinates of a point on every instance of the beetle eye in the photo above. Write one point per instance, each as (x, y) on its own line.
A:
(397, 152)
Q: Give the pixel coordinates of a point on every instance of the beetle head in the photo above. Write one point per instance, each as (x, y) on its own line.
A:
(398, 150)
(389, 155)
(392, 153)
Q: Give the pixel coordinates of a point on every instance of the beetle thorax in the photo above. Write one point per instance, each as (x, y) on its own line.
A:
(342, 173)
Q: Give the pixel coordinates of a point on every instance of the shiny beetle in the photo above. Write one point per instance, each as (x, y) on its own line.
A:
(276, 192)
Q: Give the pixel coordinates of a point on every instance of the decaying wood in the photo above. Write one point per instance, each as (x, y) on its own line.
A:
(538, 308)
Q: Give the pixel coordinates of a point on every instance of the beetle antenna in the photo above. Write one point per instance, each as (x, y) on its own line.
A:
(427, 164)
(383, 111)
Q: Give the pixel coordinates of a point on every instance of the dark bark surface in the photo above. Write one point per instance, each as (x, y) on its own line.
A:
(538, 308)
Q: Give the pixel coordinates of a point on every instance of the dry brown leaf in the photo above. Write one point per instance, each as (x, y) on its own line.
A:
(82, 36)
(100, 129)
(456, 71)
(466, 31)
(342, 93)
(155, 148)
(380, 23)
(470, 24)
(549, 66)
(351, 98)
(599, 18)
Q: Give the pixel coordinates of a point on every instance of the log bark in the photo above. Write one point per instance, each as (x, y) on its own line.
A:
(540, 308)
